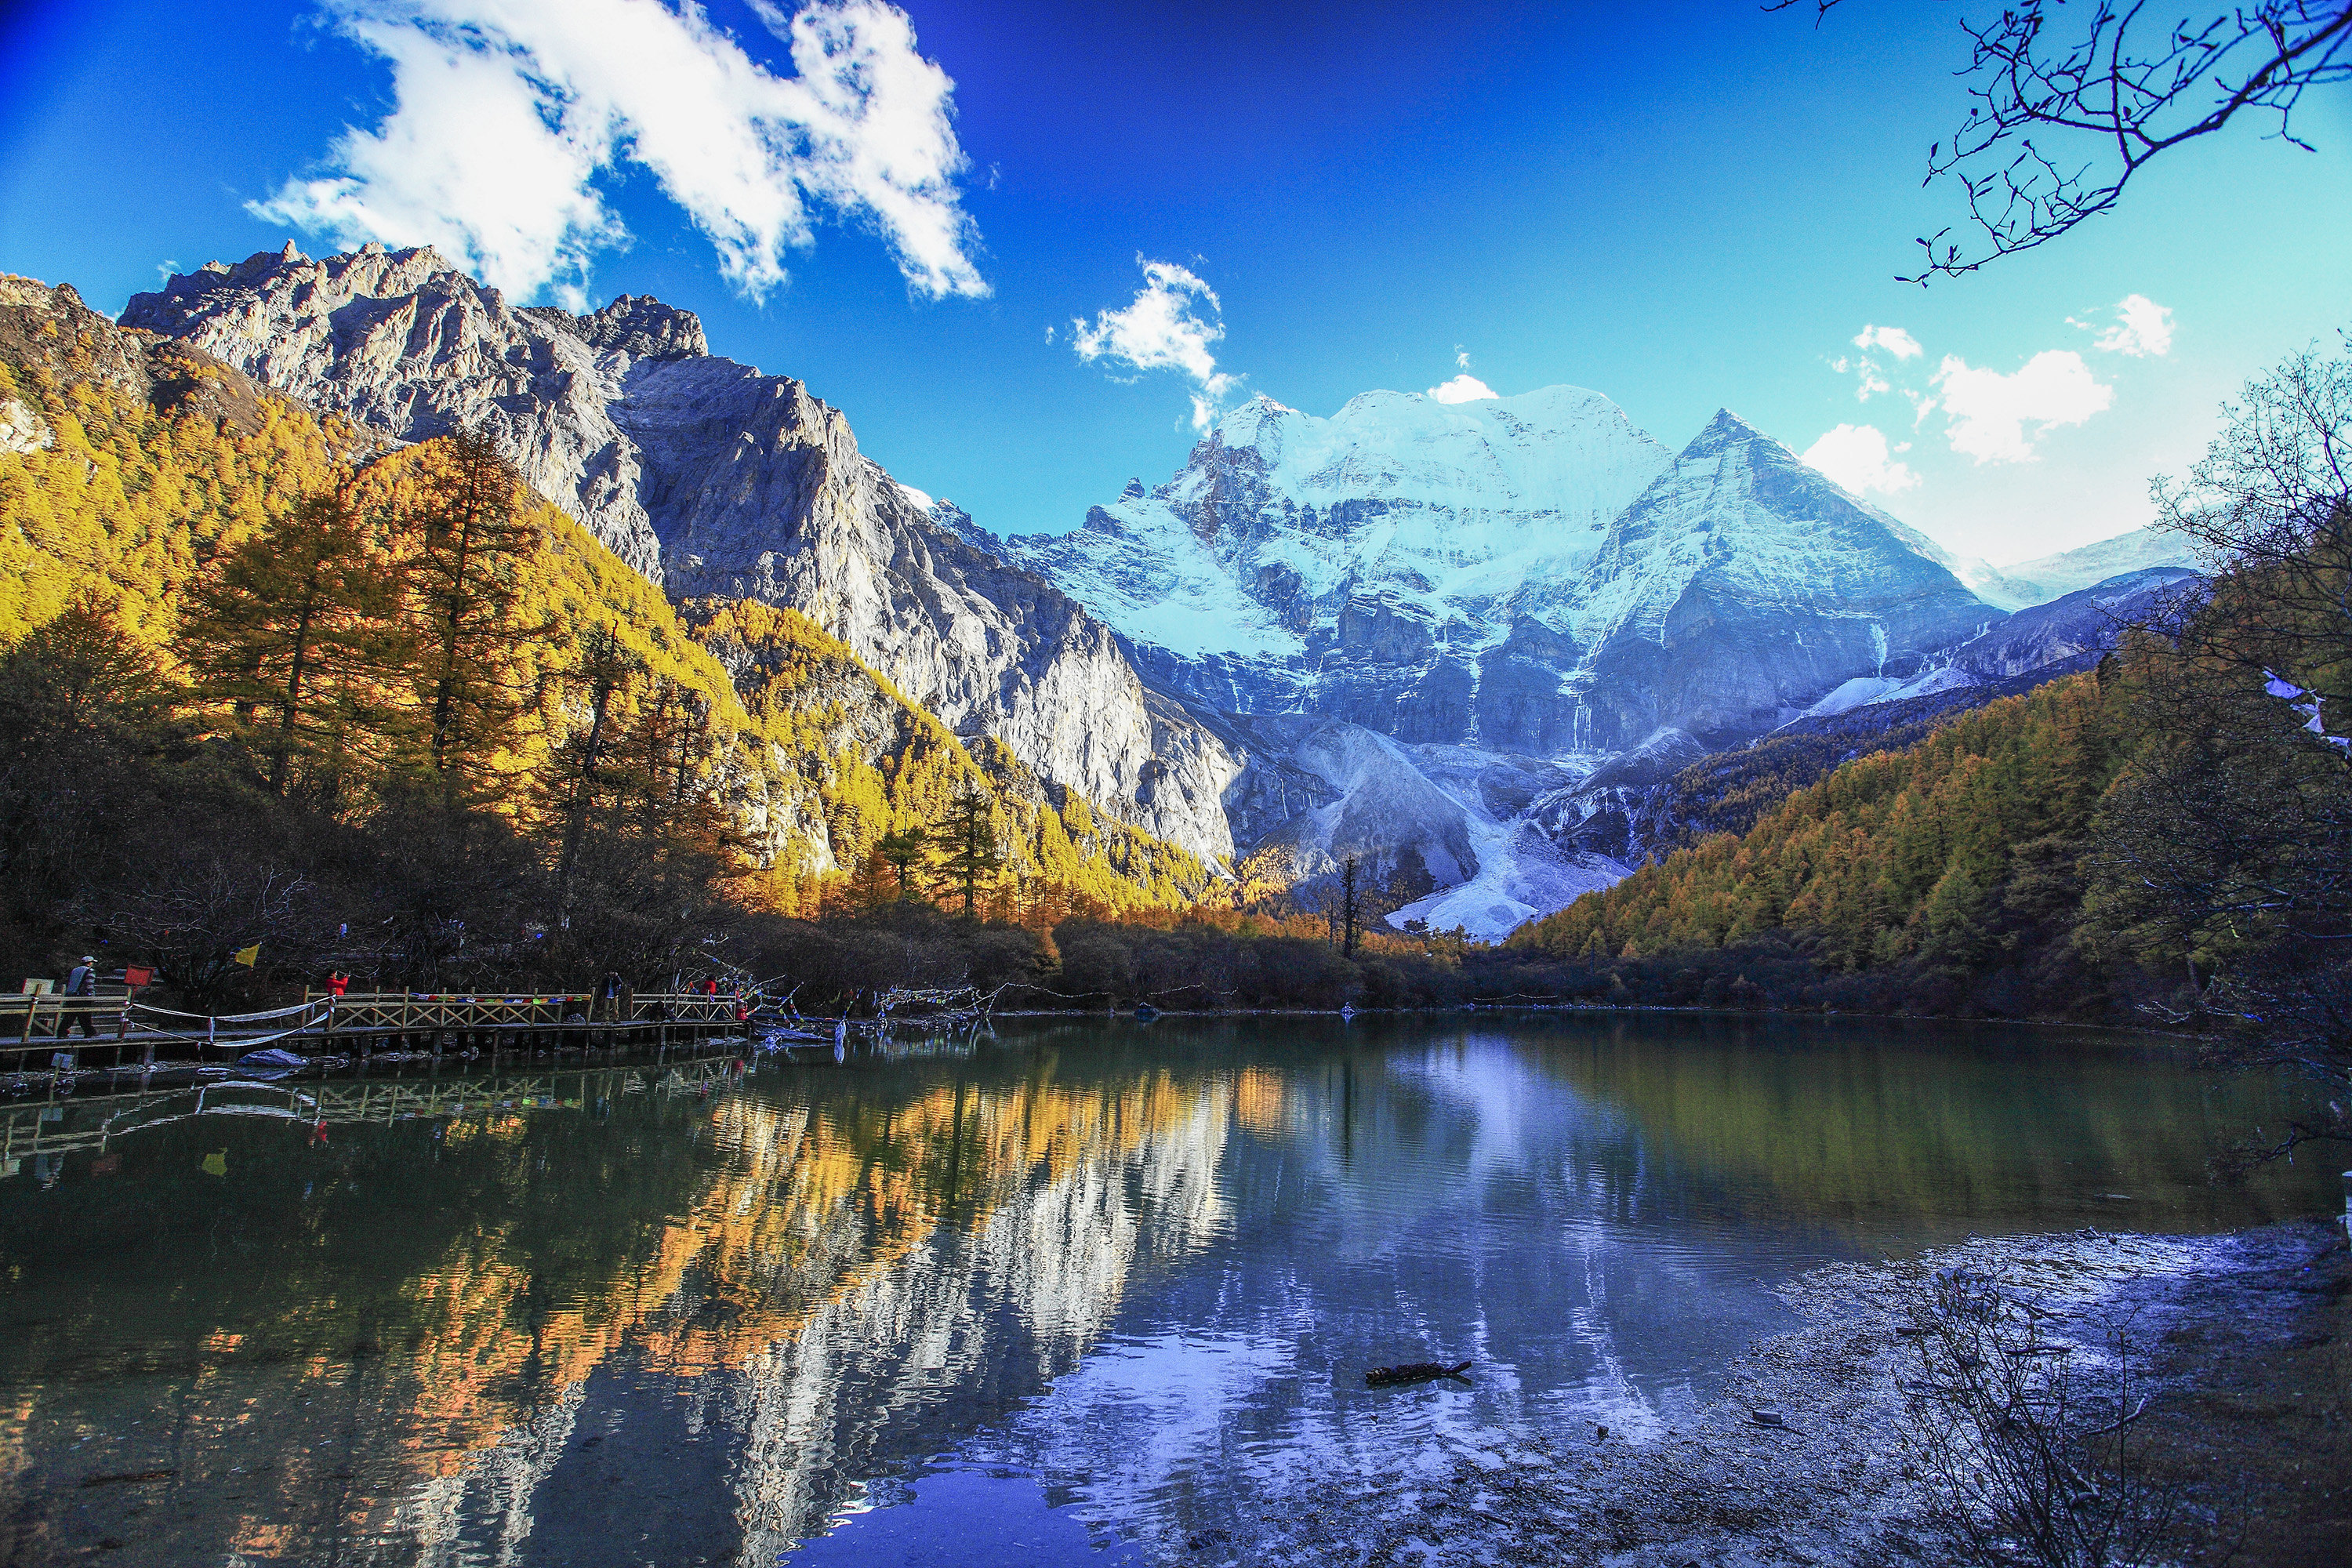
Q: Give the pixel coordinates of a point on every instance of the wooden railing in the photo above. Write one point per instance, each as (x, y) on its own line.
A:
(401, 1011)
(27, 1018)
(63, 1027)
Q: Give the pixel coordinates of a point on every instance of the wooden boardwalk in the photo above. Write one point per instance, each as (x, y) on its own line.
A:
(74, 1034)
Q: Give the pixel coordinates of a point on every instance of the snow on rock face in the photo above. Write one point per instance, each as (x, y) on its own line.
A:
(1396, 530)
(2069, 631)
(1528, 574)
(1458, 816)
(2089, 621)
(1456, 629)
(1523, 876)
(1741, 585)
(713, 479)
(1506, 580)
(1383, 804)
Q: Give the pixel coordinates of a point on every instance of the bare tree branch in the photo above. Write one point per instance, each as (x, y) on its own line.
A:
(2116, 90)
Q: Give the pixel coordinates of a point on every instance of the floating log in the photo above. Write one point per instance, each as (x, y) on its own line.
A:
(1415, 1372)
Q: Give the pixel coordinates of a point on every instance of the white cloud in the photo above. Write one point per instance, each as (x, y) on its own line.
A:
(1463, 388)
(1856, 457)
(1869, 380)
(1989, 411)
(509, 113)
(1164, 329)
(1461, 357)
(1894, 339)
(2143, 327)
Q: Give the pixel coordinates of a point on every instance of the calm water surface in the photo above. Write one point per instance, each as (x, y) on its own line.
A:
(1075, 1294)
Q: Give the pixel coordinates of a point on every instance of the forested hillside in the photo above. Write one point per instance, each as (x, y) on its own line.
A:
(216, 608)
(1960, 855)
(2161, 839)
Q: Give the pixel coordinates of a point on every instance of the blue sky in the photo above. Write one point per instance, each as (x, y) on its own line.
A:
(1685, 208)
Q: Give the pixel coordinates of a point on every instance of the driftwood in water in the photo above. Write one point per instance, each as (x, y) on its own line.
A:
(1413, 1372)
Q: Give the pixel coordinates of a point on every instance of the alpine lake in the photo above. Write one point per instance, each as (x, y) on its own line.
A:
(1065, 1292)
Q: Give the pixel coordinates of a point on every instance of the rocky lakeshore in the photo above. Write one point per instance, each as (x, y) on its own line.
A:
(2239, 1339)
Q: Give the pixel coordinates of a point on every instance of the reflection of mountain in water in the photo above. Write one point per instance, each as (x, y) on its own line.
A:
(988, 1315)
(1442, 1201)
(384, 1349)
(851, 1282)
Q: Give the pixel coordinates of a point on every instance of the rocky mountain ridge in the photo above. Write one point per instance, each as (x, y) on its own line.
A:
(1644, 802)
(714, 480)
(1532, 575)
(1434, 637)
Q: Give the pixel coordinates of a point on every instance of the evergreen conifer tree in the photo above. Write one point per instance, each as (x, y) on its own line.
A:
(293, 630)
(582, 779)
(470, 538)
(970, 854)
(903, 850)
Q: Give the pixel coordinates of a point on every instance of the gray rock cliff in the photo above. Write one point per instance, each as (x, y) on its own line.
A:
(715, 479)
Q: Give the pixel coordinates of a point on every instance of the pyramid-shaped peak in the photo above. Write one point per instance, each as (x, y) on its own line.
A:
(1257, 410)
(1245, 426)
(1727, 424)
(1729, 432)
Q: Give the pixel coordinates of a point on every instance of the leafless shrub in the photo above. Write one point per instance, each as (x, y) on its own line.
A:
(2026, 1454)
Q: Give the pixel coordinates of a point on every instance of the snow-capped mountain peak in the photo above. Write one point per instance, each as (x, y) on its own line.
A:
(1280, 520)
(1530, 580)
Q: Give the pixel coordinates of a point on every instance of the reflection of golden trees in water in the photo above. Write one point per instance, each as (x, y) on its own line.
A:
(1258, 1102)
(804, 1204)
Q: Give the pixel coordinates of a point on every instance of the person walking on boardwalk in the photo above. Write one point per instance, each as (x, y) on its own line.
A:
(608, 997)
(81, 984)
